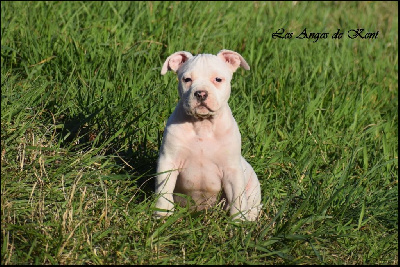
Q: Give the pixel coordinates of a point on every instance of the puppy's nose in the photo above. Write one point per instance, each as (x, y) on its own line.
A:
(201, 95)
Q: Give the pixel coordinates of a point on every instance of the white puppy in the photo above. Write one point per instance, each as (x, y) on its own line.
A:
(200, 155)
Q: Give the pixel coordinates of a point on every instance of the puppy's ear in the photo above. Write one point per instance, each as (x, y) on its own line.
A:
(175, 61)
(233, 59)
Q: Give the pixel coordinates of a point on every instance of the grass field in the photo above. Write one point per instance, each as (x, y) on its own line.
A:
(83, 108)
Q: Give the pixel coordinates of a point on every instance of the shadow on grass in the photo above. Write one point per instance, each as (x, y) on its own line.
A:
(131, 155)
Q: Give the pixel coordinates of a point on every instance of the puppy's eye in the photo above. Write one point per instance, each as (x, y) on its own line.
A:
(186, 80)
(218, 80)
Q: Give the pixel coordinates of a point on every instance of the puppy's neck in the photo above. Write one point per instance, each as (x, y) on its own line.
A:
(215, 125)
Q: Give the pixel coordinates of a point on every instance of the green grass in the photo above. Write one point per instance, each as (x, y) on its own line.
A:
(83, 108)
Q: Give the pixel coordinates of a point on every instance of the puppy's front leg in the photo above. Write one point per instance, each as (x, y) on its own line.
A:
(234, 188)
(165, 185)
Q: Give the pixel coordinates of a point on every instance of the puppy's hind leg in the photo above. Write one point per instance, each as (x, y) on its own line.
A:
(253, 192)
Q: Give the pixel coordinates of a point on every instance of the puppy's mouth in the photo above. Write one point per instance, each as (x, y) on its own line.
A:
(201, 111)
(203, 106)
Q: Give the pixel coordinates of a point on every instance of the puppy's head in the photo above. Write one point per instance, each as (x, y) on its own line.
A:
(204, 80)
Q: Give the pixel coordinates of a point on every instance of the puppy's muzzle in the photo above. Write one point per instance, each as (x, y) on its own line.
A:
(201, 95)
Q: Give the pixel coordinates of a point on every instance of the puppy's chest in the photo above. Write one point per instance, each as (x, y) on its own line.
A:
(202, 165)
(200, 174)
(204, 151)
